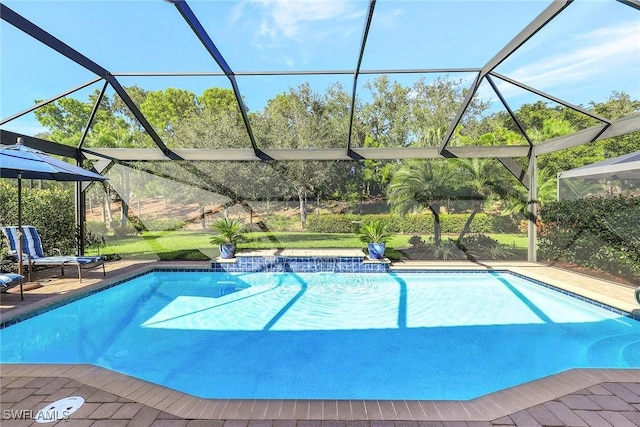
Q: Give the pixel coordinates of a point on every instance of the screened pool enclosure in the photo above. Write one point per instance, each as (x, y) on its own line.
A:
(305, 120)
(608, 178)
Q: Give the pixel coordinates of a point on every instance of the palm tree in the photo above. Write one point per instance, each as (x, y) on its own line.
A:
(518, 200)
(421, 184)
(481, 179)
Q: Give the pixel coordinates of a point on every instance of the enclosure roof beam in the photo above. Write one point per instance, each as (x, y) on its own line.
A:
(579, 138)
(540, 21)
(529, 31)
(295, 73)
(363, 43)
(47, 39)
(9, 138)
(461, 110)
(92, 116)
(211, 47)
(632, 3)
(49, 101)
(193, 154)
(551, 98)
(506, 105)
(516, 170)
(620, 127)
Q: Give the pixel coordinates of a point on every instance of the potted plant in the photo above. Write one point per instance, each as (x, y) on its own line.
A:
(230, 232)
(376, 235)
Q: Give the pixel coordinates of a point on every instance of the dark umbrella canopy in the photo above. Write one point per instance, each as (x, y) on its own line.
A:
(18, 161)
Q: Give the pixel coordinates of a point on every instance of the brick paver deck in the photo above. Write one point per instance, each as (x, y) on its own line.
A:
(590, 397)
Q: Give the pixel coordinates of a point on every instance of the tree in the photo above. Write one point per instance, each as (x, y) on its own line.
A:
(164, 109)
(302, 118)
(432, 107)
(65, 118)
(480, 179)
(388, 115)
(421, 184)
(219, 101)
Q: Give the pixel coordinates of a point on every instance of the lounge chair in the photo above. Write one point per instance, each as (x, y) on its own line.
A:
(33, 255)
(10, 280)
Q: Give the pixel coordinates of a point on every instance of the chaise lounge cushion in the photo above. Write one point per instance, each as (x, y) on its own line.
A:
(33, 254)
(9, 280)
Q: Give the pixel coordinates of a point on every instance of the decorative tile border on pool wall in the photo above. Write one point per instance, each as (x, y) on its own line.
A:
(634, 315)
(73, 296)
(300, 264)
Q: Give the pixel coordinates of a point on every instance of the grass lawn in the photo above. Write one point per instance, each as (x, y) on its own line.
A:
(195, 245)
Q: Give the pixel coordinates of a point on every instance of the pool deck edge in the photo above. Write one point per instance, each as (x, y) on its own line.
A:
(485, 408)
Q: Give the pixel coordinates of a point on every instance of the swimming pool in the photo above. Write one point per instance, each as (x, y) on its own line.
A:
(329, 335)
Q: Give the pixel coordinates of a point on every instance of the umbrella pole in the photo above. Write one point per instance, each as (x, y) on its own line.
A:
(20, 270)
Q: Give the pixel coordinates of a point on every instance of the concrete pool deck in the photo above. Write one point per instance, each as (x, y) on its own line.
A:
(579, 397)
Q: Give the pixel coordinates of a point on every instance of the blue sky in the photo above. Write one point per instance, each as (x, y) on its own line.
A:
(591, 49)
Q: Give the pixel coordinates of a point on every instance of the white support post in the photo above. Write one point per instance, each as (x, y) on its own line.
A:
(533, 209)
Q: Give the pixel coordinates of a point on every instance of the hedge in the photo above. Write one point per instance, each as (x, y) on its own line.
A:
(51, 211)
(412, 224)
(603, 234)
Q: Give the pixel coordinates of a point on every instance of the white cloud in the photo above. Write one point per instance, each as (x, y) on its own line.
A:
(581, 59)
(302, 26)
(289, 18)
(237, 12)
(388, 21)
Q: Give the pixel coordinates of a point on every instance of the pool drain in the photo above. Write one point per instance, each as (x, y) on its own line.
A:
(59, 410)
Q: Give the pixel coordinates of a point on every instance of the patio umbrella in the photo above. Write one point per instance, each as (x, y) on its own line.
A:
(18, 161)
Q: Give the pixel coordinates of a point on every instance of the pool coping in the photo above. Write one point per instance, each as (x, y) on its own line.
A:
(484, 408)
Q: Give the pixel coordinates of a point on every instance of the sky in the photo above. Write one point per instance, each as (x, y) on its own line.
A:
(591, 49)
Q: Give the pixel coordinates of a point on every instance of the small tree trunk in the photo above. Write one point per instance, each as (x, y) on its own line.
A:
(303, 209)
(437, 230)
(202, 221)
(107, 205)
(467, 225)
(124, 213)
(124, 200)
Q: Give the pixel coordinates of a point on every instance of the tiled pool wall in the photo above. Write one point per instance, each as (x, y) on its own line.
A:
(300, 264)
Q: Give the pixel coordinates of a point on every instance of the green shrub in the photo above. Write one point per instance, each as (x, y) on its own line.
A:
(333, 223)
(162, 224)
(276, 222)
(411, 224)
(51, 211)
(120, 232)
(602, 234)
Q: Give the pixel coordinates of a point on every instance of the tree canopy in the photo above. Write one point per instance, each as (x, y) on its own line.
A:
(388, 114)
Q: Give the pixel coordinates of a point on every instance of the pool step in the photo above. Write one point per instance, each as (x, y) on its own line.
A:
(618, 349)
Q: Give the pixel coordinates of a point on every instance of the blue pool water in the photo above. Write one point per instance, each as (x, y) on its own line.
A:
(329, 335)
